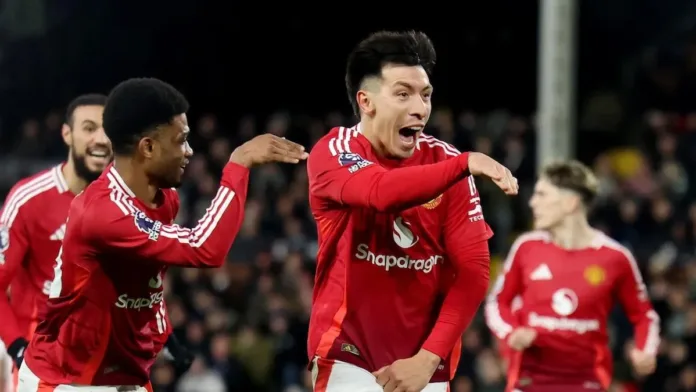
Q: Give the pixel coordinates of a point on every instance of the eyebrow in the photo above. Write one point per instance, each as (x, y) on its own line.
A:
(428, 87)
(186, 131)
(88, 122)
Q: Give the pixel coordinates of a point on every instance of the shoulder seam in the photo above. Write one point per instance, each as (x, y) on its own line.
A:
(536, 235)
(340, 144)
(24, 193)
(432, 141)
(119, 198)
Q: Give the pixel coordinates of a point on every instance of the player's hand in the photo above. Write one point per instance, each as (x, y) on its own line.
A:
(408, 375)
(643, 363)
(521, 338)
(483, 165)
(268, 148)
(16, 351)
(181, 357)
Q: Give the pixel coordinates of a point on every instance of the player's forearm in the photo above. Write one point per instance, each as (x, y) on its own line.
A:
(208, 244)
(499, 317)
(647, 332)
(9, 328)
(462, 299)
(403, 188)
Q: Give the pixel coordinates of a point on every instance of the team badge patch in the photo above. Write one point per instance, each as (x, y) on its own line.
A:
(4, 242)
(594, 275)
(147, 225)
(354, 162)
(433, 203)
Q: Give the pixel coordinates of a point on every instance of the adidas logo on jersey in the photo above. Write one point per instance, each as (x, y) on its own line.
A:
(542, 272)
(59, 234)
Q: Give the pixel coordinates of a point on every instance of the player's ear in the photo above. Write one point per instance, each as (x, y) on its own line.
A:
(365, 102)
(574, 203)
(66, 133)
(146, 146)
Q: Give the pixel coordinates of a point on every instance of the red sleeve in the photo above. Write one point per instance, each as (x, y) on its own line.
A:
(14, 245)
(498, 310)
(206, 245)
(176, 203)
(344, 176)
(633, 296)
(466, 245)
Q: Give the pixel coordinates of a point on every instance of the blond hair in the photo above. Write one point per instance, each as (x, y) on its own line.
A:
(574, 176)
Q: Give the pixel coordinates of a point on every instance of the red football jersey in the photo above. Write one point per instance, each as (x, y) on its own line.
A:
(381, 276)
(567, 296)
(32, 225)
(105, 320)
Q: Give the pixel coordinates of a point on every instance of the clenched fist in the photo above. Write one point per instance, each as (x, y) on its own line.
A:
(408, 375)
(643, 363)
(521, 338)
(483, 165)
(268, 148)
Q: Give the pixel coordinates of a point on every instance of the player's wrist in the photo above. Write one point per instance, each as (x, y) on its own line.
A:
(429, 359)
(240, 157)
(235, 168)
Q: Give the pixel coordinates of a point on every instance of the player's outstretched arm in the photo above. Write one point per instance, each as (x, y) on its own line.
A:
(14, 244)
(349, 179)
(118, 227)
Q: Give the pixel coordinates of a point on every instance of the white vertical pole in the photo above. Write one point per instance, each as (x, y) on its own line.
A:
(556, 80)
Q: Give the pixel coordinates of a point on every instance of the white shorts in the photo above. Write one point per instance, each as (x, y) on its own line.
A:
(6, 373)
(29, 382)
(337, 376)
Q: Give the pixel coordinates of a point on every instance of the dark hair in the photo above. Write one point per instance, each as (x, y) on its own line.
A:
(83, 100)
(410, 48)
(136, 107)
(574, 176)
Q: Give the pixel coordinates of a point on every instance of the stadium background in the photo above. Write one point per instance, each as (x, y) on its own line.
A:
(279, 68)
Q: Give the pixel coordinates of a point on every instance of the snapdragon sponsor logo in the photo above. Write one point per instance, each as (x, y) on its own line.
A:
(563, 324)
(126, 302)
(391, 261)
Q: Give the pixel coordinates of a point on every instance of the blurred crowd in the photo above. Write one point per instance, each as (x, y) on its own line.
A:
(247, 322)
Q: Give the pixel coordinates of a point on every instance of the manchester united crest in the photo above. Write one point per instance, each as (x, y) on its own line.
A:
(433, 203)
(595, 275)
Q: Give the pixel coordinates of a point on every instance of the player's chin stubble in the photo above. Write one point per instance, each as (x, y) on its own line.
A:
(82, 170)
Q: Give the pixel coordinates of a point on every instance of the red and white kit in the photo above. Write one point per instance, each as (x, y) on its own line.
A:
(567, 296)
(32, 226)
(402, 262)
(105, 321)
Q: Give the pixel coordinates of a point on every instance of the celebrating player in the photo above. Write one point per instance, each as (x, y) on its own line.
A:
(32, 221)
(569, 276)
(104, 316)
(403, 259)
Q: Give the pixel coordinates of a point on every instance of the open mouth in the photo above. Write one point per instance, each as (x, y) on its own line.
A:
(408, 135)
